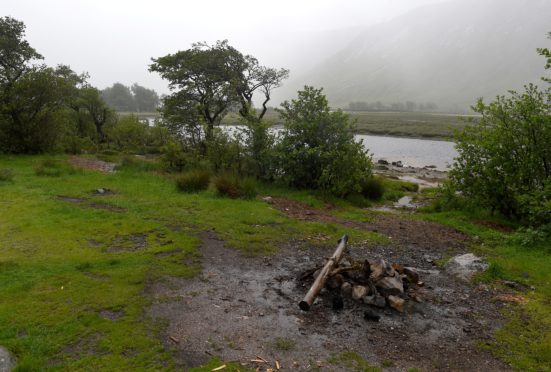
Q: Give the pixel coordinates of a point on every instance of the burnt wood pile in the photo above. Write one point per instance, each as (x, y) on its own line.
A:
(376, 283)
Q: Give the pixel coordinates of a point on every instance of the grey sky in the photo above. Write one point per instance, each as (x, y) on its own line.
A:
(114, 40)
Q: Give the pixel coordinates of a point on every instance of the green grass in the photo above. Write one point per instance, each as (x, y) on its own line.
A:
(352, 362)
(64, 261)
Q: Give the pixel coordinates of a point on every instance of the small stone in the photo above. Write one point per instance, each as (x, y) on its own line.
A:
(7, 361)
(359, 292)
(390, 285)
(396, 303)
(268, 199)
(375, 300)
(382, 161)
(346, 289)
(371, 315)
(412, 274)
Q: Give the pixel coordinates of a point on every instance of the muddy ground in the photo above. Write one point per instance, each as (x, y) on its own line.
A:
(242, 308)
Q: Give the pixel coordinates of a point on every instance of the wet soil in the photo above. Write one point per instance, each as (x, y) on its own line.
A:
(92, 164)
(242, 308)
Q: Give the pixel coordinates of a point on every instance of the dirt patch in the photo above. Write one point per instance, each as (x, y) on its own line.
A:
(111, 314)
(241, 308)
(92, 164)
(107, 207)
(70, 199)
(128, 243)
(87, 345)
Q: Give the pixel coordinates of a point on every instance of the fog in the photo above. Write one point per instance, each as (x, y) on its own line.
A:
(114, 41)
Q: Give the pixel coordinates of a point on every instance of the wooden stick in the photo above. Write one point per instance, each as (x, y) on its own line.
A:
(319, 283)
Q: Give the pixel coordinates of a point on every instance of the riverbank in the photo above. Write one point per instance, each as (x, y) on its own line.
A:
(437, 126)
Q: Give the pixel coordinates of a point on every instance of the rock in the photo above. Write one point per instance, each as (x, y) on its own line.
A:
(7, 361)
(100, 191)
(379, 269)
(346, 289)
(390, 285)
(335, 281)
(268, 199)
(371, 315)
(382, 162)
(375, 300)
(465, 266)
(396, 303)
(359, 292)
(412, 274)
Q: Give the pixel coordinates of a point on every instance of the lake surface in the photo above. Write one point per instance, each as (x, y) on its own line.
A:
(413, 152)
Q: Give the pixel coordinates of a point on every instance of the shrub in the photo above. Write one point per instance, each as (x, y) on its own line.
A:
(373, 188)
(504, 160)
(233, 186)
(317, 148)
(193, 181)
(53, 168)
(6, 175)
(137, 164)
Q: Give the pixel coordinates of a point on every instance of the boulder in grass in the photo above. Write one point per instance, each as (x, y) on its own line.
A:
(7, 361)
(465, 266)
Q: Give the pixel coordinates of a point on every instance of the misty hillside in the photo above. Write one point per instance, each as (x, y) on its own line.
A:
(448, 53)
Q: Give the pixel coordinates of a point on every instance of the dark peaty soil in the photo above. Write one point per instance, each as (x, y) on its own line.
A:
(241, 308)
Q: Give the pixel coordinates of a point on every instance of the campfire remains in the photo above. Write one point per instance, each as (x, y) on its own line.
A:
(374, 283)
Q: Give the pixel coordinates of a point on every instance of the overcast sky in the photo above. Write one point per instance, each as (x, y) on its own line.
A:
(115, 40)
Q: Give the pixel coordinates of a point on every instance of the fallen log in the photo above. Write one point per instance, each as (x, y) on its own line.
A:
(319, 283)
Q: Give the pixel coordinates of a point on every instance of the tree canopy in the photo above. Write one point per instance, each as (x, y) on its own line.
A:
(210, 80)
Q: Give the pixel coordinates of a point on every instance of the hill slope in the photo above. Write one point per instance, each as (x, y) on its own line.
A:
(448, 53)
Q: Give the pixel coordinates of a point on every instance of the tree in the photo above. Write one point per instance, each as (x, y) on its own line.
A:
(144, 99)
(209, 80)
(119, 97)
(504, 160)
(318, 149)
(15, 52)
(96, 107)
(545, 52)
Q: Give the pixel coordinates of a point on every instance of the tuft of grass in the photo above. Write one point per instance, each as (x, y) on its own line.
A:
(353, 362)
(284, 344)
(373, 188)
(132, 163)
(6, 175)
(53, 168)
(232, 186)
(193, 181)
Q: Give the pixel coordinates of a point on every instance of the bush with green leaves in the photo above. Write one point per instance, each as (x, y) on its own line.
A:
(504, 160)
(233, 186)
(373, 188)
(193, 181)
(318, 149)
